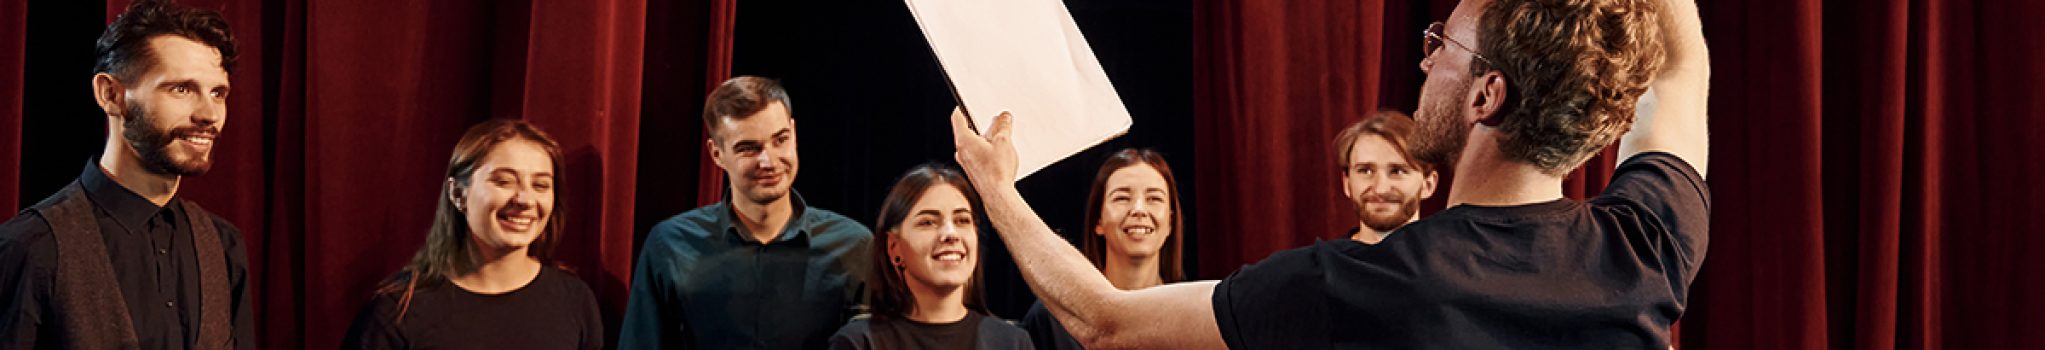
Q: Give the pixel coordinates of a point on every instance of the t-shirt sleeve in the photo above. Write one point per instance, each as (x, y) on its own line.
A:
(1275, 303)
(1668, 198)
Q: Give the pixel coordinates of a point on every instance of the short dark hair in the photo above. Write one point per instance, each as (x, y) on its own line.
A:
(889, 289)
(1574, 69)
(742, 96)
(123, 49)
(1393, 126)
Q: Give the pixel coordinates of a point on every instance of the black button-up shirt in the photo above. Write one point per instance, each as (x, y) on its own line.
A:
(151, 251)
(703, 282)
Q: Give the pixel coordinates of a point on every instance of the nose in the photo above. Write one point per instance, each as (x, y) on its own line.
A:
(765, 159)
(950, 233)
(209, 112)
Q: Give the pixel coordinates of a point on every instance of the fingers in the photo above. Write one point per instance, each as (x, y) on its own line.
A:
(1003, 125)
(960, 131)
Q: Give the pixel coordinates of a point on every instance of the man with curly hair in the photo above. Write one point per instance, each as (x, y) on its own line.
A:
(1518, 94)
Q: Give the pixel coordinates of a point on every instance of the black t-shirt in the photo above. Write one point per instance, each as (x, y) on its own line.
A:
(976, 331)
(1046, 332)
(1610, 272)
(555, 311)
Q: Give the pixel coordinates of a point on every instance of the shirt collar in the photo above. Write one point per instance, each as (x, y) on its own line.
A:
(125, 206)
(798, 220)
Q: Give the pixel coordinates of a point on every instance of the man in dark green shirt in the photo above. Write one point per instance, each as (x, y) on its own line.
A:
(759, 270)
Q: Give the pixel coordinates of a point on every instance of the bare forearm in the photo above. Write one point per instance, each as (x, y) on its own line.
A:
(1068, 286)
(1672, 117)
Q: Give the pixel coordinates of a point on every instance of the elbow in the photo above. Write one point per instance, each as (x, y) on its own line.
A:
(1102, 335)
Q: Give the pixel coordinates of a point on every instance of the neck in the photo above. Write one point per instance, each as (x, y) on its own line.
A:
(1485, 177)
(499, 271)
(934, 305)
(764, 221)
(125, 167)
(1133, 273)
(1366, 234)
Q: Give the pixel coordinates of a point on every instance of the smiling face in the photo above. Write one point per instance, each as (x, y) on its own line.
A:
(757, 152)
(510, 197)
(1136, 212)
(172, 113)
(1384, 185)
(937, 247)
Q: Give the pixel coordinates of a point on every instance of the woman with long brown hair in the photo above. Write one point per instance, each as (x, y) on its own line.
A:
(926, 270)
(1133, 234)
(484, 279)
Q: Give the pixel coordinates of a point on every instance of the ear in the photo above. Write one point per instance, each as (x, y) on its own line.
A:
(110, 94)
(893, 246)
(1487, 99)
(454, 194)
(1347, 191)
(1427, 184)
(716, 152)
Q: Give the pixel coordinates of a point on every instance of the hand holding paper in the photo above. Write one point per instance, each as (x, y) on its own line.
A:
(989, 160)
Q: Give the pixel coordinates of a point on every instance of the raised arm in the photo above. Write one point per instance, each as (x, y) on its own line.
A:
(1671, 116)
(1177, 316)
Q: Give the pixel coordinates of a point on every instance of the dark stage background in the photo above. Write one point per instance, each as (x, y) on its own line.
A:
(1873, 160)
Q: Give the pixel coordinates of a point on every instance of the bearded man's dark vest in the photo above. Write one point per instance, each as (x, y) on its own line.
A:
(89, 309)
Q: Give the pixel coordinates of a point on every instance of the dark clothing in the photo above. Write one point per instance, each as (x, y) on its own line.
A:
(1610, 272)
(153, 260)
(554, 311)
(976, 331)
(703, 282)
(1046, 332)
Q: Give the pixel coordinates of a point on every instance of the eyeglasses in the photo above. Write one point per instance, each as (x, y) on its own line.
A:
(1432, 39)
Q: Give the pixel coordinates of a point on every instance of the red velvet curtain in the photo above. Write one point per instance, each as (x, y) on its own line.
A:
(345, 114)
(1873, 162)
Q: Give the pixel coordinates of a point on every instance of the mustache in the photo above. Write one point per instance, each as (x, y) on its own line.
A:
(1394, 197)
(189, 130)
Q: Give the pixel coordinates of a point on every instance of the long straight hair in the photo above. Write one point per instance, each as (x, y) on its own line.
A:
(890, 290)
(1169, 268)
(449, 249)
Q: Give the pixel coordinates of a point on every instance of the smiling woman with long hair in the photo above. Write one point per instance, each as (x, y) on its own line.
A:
(1132, 234)
(926, 268)
(484, 280)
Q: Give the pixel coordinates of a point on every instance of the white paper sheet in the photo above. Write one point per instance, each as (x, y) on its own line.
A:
(1026, 57)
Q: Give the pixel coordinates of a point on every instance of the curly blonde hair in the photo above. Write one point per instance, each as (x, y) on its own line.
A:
(1574, 69)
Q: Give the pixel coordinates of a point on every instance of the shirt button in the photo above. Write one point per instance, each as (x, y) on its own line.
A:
(170, 304)
(161, 251)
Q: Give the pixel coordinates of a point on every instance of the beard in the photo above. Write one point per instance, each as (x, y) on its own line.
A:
(1441, 134)
(1408, 205)
(152, 145)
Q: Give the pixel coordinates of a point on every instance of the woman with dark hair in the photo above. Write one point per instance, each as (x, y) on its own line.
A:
(926, 287)
(484, 279)
(1132, 218)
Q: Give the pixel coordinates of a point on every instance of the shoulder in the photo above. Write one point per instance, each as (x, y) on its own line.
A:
(25, 232)
(696, 223)
(856, 333)
(568, 283)
(830, 225)
(1001, 330)
(1658, 179)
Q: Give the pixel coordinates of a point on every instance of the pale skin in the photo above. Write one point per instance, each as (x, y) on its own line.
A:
(1181, 315)
(1378, 166)
(186, 86)
(1135, 220)
(757, 153)
(507, 204)
(938, 249)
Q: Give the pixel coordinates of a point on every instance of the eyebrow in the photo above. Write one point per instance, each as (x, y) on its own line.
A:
(515, 172)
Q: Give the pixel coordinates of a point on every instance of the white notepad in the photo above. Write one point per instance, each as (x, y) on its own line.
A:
(1026, 57)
